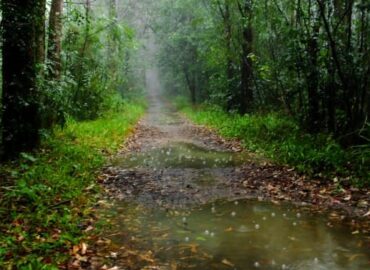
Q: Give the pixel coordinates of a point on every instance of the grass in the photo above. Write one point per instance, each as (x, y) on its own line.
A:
(45, 204)
(281, 139)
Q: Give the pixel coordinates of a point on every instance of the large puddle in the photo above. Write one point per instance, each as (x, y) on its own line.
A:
(242, 234)
(181, 155)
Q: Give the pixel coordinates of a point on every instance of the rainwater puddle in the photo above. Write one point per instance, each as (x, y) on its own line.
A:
(240, 235)
(181, 155)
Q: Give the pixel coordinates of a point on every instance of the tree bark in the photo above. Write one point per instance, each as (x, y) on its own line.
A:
(224, 10)
(40, 34)
(55, 40)
(313, 78)
(191, 85)
(246, 64)
(112, 40)
(20, 96)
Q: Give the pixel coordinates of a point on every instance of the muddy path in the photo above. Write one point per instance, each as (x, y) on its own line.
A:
(172, 163)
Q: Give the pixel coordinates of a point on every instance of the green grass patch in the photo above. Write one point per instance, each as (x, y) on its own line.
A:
(281, 139)
(45, 202)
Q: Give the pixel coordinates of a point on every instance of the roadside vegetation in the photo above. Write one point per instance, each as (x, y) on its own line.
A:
(46, 205)
(280, 138)
(71, 90)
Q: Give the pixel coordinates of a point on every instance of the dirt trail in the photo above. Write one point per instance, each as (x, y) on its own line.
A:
(204, 169)
(171, 162)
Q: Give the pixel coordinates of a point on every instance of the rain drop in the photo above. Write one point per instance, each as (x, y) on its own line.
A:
(213, 209)
(187, 239)
(316, 260)
(233, 214)
(298, 215)
(256, 264)
(273, 214)
(184, 220)
(284, 267)
(236, 202)
(206, 232)
(294, 224)
(212, 234)
(257, 226)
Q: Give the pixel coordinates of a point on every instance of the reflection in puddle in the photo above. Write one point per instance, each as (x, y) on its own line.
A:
(181, 155)
(242, 235)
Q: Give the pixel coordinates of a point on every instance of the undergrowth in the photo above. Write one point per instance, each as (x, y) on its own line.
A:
(45, 199)
(281, 139)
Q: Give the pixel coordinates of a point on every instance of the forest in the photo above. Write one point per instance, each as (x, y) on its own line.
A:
(288, 79)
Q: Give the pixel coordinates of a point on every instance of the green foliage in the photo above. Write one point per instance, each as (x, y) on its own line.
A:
(306, 58)
(46, 207)
(94, 48)
(280, 138)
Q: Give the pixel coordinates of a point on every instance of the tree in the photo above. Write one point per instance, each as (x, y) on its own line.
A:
(55, 40)
(246, 69)
(20, 98)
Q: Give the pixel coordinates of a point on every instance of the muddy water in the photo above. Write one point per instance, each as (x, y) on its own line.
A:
(181, 155)
(242, 234)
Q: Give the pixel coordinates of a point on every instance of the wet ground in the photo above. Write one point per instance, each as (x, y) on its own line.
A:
(243, 234)
(181, 197)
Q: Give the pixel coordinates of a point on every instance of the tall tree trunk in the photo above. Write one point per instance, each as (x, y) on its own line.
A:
(40, 14)
(112, 40)
(55, 40)
(82, 53)
(246, 65)
(20, 119)
(313, 77)
(191, 84)
(224, 10)
(228, 39)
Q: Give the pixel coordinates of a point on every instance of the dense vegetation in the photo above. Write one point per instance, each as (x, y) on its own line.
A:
(307, 62)
(78, 66)
(278, 137)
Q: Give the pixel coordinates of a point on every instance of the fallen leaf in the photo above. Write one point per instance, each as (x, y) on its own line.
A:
(83, 248)
(354, 257)
(227, 262)
(347, 198)
(75, 249)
